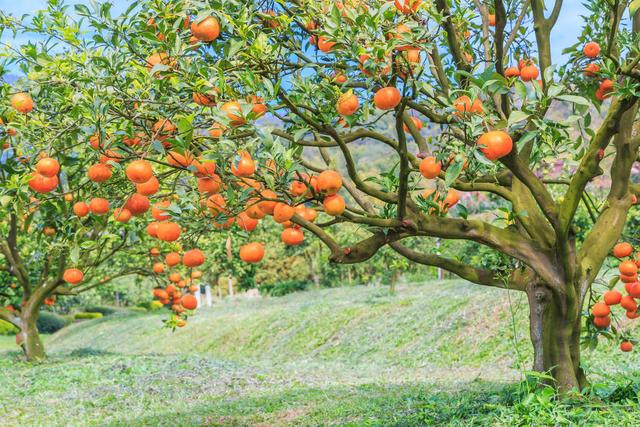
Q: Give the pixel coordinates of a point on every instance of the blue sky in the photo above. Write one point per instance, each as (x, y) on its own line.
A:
(563, 34)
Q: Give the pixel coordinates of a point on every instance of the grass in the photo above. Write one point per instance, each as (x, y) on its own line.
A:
(433, 354)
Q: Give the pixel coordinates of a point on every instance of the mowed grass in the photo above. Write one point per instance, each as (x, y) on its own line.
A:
(441, 353)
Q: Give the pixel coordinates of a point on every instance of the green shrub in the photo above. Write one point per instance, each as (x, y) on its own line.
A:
(138, 309)
(282, 288)
(86, 315)
(155, 305)
(100, 309)
(7, 328)
(48, 323)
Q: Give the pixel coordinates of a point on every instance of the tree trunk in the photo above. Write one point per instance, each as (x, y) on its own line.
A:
(555, 335)
(31, 341)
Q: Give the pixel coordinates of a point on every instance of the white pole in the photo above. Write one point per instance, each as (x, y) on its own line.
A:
(207, 293)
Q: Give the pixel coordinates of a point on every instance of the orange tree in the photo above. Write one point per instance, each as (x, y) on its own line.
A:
(197, 78)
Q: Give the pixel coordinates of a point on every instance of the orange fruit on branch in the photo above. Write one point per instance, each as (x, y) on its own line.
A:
(387, 98)
(99, 206)
(193, 258)
(22, 102)
(73, 276)
(206, 30)
(168, 231)
(48, 167)
(139, 171)
(252, 252)
(495, 144)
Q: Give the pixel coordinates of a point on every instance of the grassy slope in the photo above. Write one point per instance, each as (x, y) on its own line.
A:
(438, 353)
(416, 328)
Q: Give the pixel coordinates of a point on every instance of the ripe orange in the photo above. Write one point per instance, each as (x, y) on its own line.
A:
(73, 276)
(325, 45)
(81, 209)
(99, 206)
(243, 165)
(159, 210)
(233, 111)
(206, 30)
(626, 346)
(309, 214)
(22, 102)
(528, 73)
(511, 72)
(189, 302)
(602, 322)
(628, 268)
(252, 252)
(292, 236)
(193, 258)
(267, 206)
(407, 6)
(600, 309)
(174, 277)
(158, 267)
(495, 144)
(168, 231)
(99, 172)
(48, 167)
(347, 104)
(329, 182)
(283, 212)
(387, 98)
(210, 184)
(122, 215)
(179, 160)
(216, 204)
(591, 50)
(110, 156)
(622, 250)
(43, 184)
(416, 122)
(216, 130)
(298, 188)
(628, 303)
(591, 69)
(149, 187)
(137, 204)
(253, 209)
(139, 171)
(612, 297)
(492, 20)
(245, 222)
(430, 167)
(464, 105)
(334, 205)
(172, 258)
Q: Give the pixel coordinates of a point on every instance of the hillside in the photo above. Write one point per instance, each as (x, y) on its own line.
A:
(432, 327)
(438, 353)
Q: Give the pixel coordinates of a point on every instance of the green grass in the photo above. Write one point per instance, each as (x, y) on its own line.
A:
(435, 354)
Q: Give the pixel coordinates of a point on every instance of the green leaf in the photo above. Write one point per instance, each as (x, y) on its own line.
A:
(516, 116)
(574, 99)
(453, 171)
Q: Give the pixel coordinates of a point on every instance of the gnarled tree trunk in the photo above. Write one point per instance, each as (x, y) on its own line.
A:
(555, 335)
(31, 341)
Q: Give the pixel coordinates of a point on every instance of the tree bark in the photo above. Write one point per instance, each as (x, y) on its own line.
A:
(31, 341)
(555, 335)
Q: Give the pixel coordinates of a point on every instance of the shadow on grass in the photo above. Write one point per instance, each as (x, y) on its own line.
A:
(369, 404)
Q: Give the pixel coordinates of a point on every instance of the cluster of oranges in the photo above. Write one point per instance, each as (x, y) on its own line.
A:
(591, 50)
(174, 293)
(628, 268)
